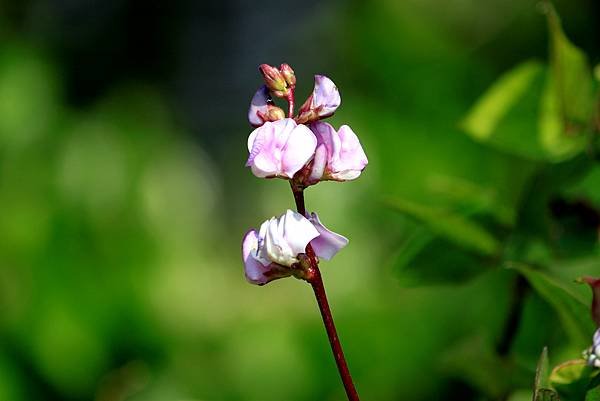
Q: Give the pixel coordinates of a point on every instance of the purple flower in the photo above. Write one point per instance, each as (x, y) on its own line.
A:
(280, 148)
(269, 253)
(339, 155)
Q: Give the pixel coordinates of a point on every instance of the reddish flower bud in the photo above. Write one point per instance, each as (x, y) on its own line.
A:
(273, 79)
(288, 74)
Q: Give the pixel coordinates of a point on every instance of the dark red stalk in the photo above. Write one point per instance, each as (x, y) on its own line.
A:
(313, 276)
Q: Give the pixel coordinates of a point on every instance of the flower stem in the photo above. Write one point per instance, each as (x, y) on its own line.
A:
(290, 100)
(316, 281)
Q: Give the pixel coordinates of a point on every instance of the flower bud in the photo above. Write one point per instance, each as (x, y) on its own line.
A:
(273, 79)
(280, 148)
(288, 74)
(274, 113)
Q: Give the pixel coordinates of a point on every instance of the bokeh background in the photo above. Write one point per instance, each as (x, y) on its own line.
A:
(124, 197)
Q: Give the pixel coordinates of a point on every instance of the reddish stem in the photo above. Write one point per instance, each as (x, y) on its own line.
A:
(290, 100)
(313, 276)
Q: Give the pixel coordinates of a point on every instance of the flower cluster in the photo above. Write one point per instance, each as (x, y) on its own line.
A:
(592, 354)
(305, 150)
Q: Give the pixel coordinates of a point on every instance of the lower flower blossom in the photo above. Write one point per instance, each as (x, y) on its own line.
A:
(272, 251)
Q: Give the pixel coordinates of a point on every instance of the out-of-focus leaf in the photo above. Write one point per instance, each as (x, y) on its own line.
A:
(542, 390)
(572, 310)
(492, 107)
(505, 116)
(567, 103)
(571, 379)
(418, 262)
(471, 197)
(451, 226)
(593, 394)
(475, 360)
(568, 372)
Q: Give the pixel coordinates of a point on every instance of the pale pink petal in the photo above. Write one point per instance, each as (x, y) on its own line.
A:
(258, 105)
(326, 97)
(328, 243)
(254, 270)
(319, 163)
(298, 231)
(350, 159)
(298, 150)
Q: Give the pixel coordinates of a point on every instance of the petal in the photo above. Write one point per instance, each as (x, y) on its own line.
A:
(265, 156)
(326, 96)
(258, 104)
(328, 243)
(318, 164)
(350, 159)
(298, 150)
(298, 231)
(254, 270)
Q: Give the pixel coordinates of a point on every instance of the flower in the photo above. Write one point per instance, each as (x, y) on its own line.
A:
(280, 148)
(339, 155)
(271, 252)
(322, 103)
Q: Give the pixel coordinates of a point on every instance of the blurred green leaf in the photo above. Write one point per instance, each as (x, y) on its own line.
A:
(505, 116)
(572, 310)
(492, 107)
(571, 379)
(451, 226)
(593, 394)
(567, 103)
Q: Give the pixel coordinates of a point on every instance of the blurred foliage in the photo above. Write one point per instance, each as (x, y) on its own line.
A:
(120, 276)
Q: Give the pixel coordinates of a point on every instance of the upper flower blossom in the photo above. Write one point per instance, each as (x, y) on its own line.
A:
(322, 103)
(339, 155)
(280, 148)
(270, 253)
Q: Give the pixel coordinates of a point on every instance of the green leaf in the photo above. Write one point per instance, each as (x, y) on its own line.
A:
(593, 394)
(451, 226)
(572, 310)
(542, 371)
(542, 389)
(505, 116)
(571, 379)
(567, 102)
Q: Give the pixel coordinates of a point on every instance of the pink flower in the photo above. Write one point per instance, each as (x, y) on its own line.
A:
(280, 148)
(339, 155)
(270, 253)
(322, 103)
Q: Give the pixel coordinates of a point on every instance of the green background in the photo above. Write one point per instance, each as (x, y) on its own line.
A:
(124, 198)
